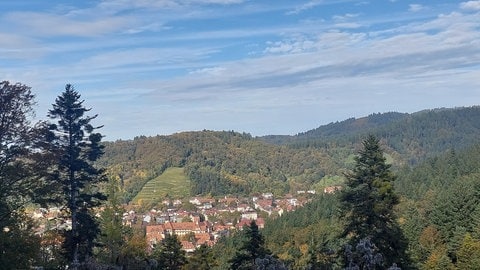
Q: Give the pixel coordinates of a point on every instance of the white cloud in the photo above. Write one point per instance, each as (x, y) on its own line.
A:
(42, 24)
(347, 25)
(116, 6)
(344, 21)
(470, 5)
(439, 45)
(221, 2)
(345, 17)
(294, 45)
(152, 27)
(306, 6)
(14, 46)
(309, 67)
(213, 71)
(415, 7)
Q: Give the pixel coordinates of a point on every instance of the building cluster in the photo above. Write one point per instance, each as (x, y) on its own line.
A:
(205, 221)
(211, 218)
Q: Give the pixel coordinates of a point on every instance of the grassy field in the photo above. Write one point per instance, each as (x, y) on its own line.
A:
(329, 180)
(173, 182)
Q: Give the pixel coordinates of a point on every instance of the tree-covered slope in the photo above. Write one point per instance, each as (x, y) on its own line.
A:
(441, 207)
(439, 213)
(345, 130)
(217, 163)
(227, 162)
(414, 136)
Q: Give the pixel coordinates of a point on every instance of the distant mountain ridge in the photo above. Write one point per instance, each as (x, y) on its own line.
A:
(332, 130)
(414, 136)
(227, 162)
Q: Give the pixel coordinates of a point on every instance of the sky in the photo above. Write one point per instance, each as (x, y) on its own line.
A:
(158, 67)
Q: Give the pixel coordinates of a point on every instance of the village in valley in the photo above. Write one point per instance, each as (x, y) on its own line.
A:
(196, 221)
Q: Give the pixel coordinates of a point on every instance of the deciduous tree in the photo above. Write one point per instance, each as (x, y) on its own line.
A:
(113, 234)
(21, 172)
(468, 255)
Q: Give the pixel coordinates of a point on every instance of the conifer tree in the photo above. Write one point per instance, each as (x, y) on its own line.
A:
(77, 146)
(170, 254)
(312, 257)
(367, 207)
(252, 254)
(201, 259)
(251, 248)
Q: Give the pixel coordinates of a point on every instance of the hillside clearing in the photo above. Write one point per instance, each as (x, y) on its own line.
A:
(173, 182)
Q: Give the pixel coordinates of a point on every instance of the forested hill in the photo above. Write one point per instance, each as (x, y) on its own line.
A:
(414, 136)
(338, 131)
(227, 162)
(439, 212)
(217, 163)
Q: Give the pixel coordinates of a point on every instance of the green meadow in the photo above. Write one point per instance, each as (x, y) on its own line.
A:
(173, 182)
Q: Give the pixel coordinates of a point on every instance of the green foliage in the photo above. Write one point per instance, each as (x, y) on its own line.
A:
(220, 163)
(413, 222)
(414, 136)
(217, 163)
(453, 210)
(16, 139)
(438, 260)
(436, 173)
(76, 146)
(133, 254)
(225, 249)
(468, 255)
(314, 226)
(438, 208)
(443, 195)
(329, 180)
(18, 244)
(22, 167)
(367, 205)
(113, 234)
(251, 249)
(201, 259)
(169, 254)
(319, 257)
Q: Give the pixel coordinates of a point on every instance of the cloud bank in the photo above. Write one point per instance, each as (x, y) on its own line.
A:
(159, 67)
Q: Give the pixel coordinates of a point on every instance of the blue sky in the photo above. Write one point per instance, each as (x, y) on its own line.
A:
(151, 67)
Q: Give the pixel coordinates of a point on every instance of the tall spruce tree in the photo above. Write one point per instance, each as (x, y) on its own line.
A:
(76, 146)
(367, 208)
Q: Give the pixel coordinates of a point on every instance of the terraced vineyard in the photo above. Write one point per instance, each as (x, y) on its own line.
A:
(173, 182)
